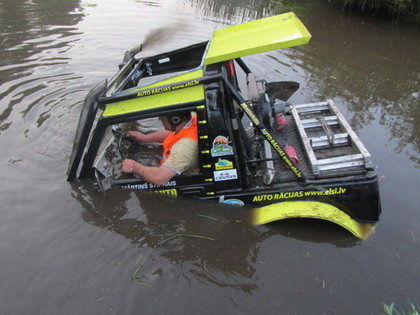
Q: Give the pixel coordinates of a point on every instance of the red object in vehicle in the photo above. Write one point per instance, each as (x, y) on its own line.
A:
(281, 122)
(291, 152)
(231, 69)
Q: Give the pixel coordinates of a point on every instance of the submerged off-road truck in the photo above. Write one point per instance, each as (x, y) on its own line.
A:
(255, 148)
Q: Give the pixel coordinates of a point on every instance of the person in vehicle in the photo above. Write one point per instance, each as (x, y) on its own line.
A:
(179, 139)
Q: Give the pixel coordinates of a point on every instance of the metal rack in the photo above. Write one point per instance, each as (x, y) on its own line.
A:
(329, 141)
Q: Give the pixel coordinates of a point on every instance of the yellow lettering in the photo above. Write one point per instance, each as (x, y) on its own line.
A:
(169, 192)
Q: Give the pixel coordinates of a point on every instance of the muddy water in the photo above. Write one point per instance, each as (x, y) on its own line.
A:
(65, 248)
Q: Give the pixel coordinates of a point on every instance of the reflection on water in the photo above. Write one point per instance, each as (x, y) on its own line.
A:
(240, 11)
(35, 38)
(232, 12)
(23, 23)
(214, 240)
(155, 3)
(316, 231)
(185, 232)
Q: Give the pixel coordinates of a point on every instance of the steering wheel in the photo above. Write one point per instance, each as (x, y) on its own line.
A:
(124, 143)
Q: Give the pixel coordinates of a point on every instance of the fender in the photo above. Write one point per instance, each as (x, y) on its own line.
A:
(310, 210)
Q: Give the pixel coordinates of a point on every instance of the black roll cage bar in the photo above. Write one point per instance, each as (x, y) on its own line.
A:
(96, 99)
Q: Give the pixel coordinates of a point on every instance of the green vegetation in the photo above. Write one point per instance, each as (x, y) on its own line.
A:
(399, 9)
(391, 310)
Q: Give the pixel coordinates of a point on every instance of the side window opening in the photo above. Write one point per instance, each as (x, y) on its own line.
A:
(116, 146)
(149, 153)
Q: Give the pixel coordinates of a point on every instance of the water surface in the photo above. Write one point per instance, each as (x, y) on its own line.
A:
(66, 248)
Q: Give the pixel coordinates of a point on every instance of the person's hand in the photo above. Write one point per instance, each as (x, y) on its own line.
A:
(137, 136)
(127, 165)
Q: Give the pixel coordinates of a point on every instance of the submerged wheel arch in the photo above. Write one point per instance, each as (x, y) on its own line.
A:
(310, 210)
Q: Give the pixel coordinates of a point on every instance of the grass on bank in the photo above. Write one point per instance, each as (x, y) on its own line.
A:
(399, 9)
(392, 310)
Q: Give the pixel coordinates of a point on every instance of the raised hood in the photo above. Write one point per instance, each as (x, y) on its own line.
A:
(276, 32)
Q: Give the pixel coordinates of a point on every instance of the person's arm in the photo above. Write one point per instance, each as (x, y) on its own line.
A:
(156, 175)
(157, 136)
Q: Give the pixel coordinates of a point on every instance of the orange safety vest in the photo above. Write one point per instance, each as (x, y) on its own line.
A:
(186, 132)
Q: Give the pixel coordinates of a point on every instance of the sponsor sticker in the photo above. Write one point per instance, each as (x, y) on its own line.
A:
(233, 201)
(223, 164)
(225, 175)
(164, 60)
(221, 146)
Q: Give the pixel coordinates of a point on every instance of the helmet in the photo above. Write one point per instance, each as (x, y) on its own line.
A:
(177, 118)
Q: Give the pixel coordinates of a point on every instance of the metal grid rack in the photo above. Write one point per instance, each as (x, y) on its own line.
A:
(329, 141)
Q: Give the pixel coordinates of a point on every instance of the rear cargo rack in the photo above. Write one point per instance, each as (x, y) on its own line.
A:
(328, 140)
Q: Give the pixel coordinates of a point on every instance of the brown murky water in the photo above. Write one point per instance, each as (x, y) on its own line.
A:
(66, 248)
